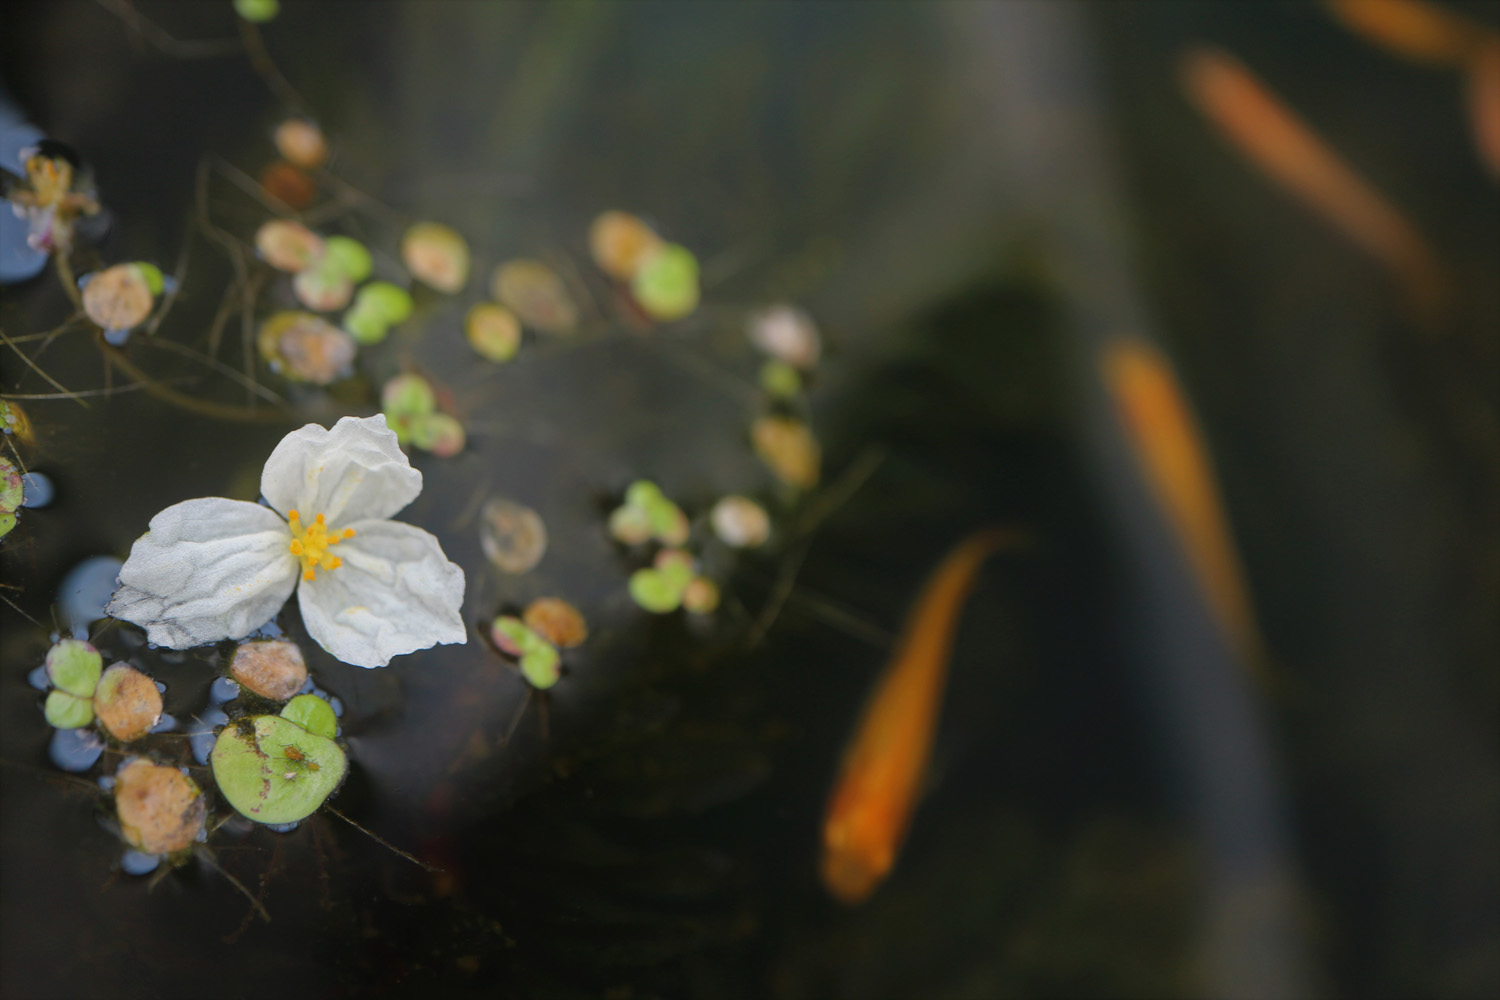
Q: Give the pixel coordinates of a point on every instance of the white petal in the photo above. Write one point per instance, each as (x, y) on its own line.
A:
(353, 472)
(207, 570)
(395, 593)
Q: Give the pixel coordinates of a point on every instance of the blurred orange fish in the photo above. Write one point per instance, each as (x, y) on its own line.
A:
(1160, 428)
(872, 803)
(1414, 29)
(1484, 103)
(1275, 139)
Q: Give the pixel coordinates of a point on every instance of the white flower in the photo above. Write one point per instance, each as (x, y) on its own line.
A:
(370, 588)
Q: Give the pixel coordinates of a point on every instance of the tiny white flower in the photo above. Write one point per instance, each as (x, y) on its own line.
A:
(369, 588)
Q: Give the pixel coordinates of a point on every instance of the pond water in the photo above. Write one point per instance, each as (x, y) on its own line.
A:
(968, 200)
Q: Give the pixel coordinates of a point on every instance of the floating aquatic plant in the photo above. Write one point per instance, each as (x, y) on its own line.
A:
(437, 256)
(369, 588)
(540, 662)
(257, 11)
(671, 582)
(647, 513)
(740, 522)
(301, 143)
(410, 408)
(377, 307)
(788, 449)
(271, 668)
(512, 535)
(14, 421)
(666, 282)
(780, 380)
(536, 294)
(12, 494)
(288, 246)
(493, 331)
(305, 348)
(619, 242)
(288, 184)
(273, 770)
(73, 667)
(160, 809)
(120, 298)
(127, 702)
(787, 334)
(557, 621)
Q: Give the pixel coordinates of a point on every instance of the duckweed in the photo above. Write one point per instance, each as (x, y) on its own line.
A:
(271, 668)
(619, 242)
(536, 294)
(67, 711)
(647, 514)
(438, 433)
(300, 142)
(257, 11)
(700, 596)
(787, 334)
(557, 621)
(121, 297)
(161, 810)
(350, 258)
(323, 286)
(305, 348)
(513, 536)
(290, 185)
(74, 666)
(788, 449)
(288, 246)
(127, 702)
(437, 256)
(313, 714)
(493, 331)
(273, 771)
(539, 660)
(12, 494)
(666, 282)
(780, 380)
(740, 522)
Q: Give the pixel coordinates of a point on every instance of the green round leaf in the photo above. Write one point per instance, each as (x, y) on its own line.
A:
(391, 303)
(630, 525)
(438, 433)
(676, 568)
(349, 257)
(654, 592)
(407, 396)
(66, 711)
(272, 770)
(74, 666)
(257, 11)
(152, 276)
(666, 285)
(12, 489)
(365, 326)
(312, 713)
(780, 380)
(540, 666)
(643, 493)
(669, 524)
(7, 522)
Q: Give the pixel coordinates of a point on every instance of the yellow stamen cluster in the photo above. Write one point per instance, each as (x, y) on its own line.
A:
(312, 542)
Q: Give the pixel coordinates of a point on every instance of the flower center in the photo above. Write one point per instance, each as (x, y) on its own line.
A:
(311, 543)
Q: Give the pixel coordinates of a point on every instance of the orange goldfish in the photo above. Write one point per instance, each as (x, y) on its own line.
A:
(1283, 146)
(1161, 431)
(871, 806)
(1414, 29)
(1484, 103)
